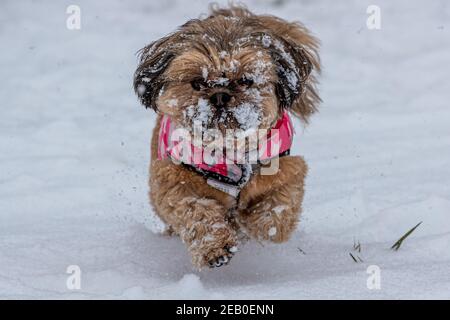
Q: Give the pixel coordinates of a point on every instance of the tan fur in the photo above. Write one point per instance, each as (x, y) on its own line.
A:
(207, 220)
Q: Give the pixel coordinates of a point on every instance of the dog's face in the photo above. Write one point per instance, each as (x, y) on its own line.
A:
(232, 70)
(227, 89)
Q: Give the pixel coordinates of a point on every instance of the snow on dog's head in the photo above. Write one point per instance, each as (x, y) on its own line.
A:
(230, 70)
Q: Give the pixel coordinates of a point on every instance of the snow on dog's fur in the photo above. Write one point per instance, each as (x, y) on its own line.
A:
(260, 66)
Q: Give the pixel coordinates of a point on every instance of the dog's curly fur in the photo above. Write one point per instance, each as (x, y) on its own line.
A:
(231, 44)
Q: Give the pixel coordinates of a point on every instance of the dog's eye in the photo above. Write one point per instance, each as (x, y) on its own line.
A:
(244, 81)
(198, 84)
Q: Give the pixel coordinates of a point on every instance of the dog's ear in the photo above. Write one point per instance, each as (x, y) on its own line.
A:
(149, 76)
(294, 51)
(293, 69)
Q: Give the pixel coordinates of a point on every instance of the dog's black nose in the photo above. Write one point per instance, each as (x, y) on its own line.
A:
(220, 99)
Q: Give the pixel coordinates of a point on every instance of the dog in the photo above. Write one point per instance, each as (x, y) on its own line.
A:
(231, 70)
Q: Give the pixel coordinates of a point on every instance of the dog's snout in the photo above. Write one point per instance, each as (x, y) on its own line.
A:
(220, 99)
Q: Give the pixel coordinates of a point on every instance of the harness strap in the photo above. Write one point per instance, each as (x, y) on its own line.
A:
(228, 177)
(225, 184)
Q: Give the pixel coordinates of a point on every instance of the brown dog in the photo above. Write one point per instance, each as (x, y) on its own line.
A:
(231, 70)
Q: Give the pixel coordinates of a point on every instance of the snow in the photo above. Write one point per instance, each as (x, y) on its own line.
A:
(223, 54)
(172, 103)
(201, 113)
(279, 209)
(74, 145)
(266, 41)
(141, 89)
(233, 249)
(205, 73)
(272, 231)
(247, 115)
(222, 81)
(259, 72)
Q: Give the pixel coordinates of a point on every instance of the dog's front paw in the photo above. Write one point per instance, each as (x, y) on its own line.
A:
(215, 248)
(224, 259)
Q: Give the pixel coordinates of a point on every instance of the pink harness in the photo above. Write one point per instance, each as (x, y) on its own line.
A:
(227, 173)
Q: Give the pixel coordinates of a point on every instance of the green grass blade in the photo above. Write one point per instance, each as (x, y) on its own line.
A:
(399, 242)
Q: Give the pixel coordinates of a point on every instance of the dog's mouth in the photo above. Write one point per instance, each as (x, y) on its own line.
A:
(242, 117)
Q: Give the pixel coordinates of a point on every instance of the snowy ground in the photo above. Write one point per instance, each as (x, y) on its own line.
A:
(74, 152)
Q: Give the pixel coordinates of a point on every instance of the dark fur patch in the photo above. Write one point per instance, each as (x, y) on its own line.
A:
(148, 80)
(293, 66)
(292, 75)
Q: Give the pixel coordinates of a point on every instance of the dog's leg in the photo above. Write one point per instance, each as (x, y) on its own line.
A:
(270, 205)
(186, 203)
